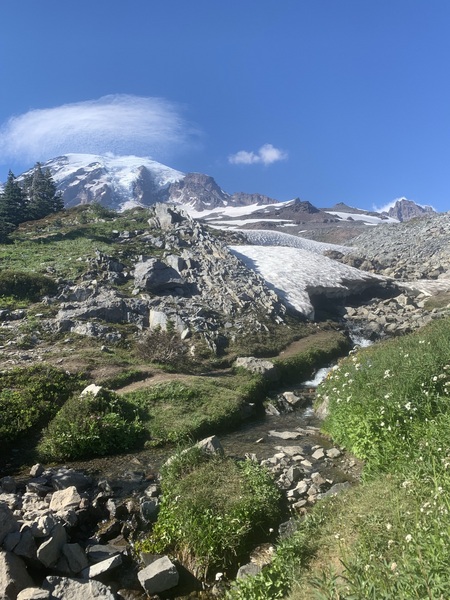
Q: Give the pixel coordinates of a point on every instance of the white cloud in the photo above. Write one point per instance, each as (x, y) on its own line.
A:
(121, 124)
(266, 155)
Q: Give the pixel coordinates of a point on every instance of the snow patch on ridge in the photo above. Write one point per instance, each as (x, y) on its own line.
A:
(294, 272)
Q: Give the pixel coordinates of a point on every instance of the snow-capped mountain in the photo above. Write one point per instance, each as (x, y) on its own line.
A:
(121, 182)
(115, 181)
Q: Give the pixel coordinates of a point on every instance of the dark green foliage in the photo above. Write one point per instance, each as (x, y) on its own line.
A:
(13, 202)
(25, 286)
(43, 199)
(29, 397)
(90, 426)
(213, 510)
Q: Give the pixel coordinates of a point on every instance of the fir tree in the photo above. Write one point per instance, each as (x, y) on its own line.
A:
(13, 203)
(43, 199)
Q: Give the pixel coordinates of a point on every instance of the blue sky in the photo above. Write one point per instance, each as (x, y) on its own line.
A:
(328, 100)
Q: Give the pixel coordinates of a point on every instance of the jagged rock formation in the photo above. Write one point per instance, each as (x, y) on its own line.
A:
(405, 210)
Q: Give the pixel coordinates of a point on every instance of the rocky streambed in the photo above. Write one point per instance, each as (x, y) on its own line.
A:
(69, 531)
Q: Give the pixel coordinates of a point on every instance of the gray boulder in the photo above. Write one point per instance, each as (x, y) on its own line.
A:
(258, 365)
(64, 588)
(153, 275)
(102, 567)
(14, 576)
(8, 522)
(159, 576)
(49, 551)
(64, 500)
(211, 445)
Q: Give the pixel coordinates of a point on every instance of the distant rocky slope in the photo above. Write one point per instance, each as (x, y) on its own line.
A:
(418, 249)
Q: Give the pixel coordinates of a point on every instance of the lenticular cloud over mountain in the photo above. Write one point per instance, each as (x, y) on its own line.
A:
(118, 124)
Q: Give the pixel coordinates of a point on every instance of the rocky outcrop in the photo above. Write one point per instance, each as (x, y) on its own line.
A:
(405, 210)
(196, 285)
(418, 249)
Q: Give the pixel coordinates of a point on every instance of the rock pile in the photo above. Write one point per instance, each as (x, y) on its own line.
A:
(417, 249)
(402, 314)
(194, 283)
(62, 535)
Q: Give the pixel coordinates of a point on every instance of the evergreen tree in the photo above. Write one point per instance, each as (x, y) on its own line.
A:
(43, 199)
(13, 203)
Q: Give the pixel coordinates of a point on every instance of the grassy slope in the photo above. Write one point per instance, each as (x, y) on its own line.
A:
(390, 537)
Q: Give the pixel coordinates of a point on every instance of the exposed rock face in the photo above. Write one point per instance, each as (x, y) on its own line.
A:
(199, 191)
(404, 210)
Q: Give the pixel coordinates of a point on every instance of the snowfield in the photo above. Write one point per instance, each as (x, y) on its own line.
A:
(261, 237)
(295, 272)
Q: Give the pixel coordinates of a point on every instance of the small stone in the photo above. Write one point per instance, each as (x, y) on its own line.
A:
(333, 453)
(318, 454)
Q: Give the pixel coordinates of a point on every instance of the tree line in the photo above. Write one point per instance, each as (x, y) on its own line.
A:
(34, 197)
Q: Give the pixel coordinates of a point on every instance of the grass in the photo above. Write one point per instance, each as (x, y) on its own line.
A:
(389, 537)
(211, 530)
(177, 411)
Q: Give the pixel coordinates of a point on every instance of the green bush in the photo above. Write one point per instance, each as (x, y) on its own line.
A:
(30, 396)
(88, 426)
(213, 510)
(26, 286)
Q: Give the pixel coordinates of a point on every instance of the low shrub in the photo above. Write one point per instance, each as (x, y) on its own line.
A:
(30, 396)
(26, 286)
(212, 511)
(164, 348)
(88, 426)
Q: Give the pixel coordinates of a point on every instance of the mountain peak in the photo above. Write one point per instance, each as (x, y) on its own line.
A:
(405, 209)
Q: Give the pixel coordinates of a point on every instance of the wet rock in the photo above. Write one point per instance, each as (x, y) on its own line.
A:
(318, 454)
(333, 453)
(286, 435)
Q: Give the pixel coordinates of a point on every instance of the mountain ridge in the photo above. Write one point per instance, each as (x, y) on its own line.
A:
(122, 182)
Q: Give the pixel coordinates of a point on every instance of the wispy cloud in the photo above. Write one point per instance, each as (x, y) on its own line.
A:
(121, 124)
(266, 155)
